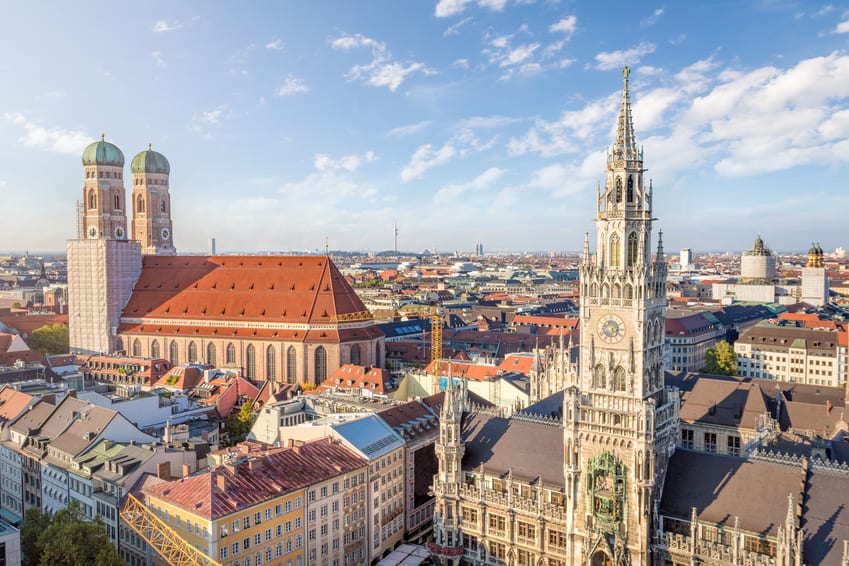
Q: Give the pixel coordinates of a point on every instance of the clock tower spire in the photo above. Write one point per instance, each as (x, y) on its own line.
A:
(623, 429)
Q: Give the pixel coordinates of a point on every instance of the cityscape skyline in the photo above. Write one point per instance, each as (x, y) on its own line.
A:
(495, 111)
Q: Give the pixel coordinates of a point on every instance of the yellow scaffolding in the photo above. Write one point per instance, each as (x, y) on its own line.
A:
(352, 316)
(435, 344)
(163, 539)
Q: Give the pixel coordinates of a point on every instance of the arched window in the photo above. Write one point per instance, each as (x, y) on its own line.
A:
(618, 189)
(615, 251)
(617, 291)
(291, 365)
(92, 199)
(117, 202)
(231, 354)
(154, 349)
(250, 362)
(629, 291)
(378, 355)
(140, 206)
(599, 380)
(162, 205)
(619, 379)
(193, 352)
(270, 363)
(174, 355)
(632, 249)
(210, 354)
(355, 354)
(136, 347)
(630, 188)
(320, 364)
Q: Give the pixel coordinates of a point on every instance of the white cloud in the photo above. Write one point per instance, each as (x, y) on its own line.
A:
(275, 44)
(842, 27)
(651, 20)
(158, 60)
(448, 8)
(408, 130)
(487, 122)
(57, 140)
(291, 86)
(424, 158)
(461, 63)
(518, 55)
(455, 29)
(616, 59)
(351, 163)
(382, 70)
(485, 180)
(566, 25)
(212, 116)
(162, 26)
(203, 122)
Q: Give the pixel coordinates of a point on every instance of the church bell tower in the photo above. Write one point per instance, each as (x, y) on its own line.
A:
(619, 421)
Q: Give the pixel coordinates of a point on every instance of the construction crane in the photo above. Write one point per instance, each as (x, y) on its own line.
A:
(435, 343)
(161, 537)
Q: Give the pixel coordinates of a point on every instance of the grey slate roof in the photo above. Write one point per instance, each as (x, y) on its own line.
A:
(531, 449)
(723, 487)
(826, 518)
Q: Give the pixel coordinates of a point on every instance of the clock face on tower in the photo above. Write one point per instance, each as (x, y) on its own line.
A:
(611, 329)
(164, 234)
(119, 232)
(92, 232)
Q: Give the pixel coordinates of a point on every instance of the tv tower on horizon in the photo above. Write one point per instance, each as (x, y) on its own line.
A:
(395, 234)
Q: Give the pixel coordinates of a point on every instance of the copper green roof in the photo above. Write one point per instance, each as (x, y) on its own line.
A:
(150, 161)
(103, 153)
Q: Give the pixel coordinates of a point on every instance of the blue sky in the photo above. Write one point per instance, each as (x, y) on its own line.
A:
(465, 120)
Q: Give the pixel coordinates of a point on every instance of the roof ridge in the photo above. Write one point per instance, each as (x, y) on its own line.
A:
(318, 290)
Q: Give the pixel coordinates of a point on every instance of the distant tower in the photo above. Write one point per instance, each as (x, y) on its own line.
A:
(212, 246)
(395, 234)
(758, 264)
(103, 265)
(814, 279)
(105, 213)
(152, 203)
(686, 259)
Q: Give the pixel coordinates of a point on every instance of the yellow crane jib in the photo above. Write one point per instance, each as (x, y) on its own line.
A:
(161, 537)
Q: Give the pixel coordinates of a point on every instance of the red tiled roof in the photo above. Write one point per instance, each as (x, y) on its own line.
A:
(294, 289)
(521, 364)
(224, 490)
(374, 379)
(477, 372)
(809, 320)
(554, 321)
(13, 403)
(181, 377)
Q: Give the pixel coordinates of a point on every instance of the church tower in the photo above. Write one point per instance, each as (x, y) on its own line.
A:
(814, 279)
(104, 199)
(620, 423)
(103, 265)
(449, 452)
(152, 203)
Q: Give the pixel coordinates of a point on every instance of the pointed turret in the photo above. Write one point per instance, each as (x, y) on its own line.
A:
(586, 248)
(626, 145)
(660, 256)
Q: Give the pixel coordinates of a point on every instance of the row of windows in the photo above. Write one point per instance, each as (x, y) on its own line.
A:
(103, 175)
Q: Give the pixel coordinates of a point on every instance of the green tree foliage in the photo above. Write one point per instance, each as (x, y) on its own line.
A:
(66, 539)
(35, 524)
(720, 360)
(239, 425)
(50, 339)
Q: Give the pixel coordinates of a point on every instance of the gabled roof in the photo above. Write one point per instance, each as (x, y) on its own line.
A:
(13, 403)
(84, 429)
(293, 289)
(352, 376)
(726, 403)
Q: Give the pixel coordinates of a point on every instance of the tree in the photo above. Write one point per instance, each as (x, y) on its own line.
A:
(66, 539)
(720, 360)
(239, 425)
(35, 524)
(50, 339)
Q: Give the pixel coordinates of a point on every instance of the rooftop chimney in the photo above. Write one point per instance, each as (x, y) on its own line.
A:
(163, 471)
(221, 481)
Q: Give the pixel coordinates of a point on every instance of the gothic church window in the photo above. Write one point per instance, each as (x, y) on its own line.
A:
(320, 364)
(270, 363)
(355, 354)
(210, 354)
(174, 354)
(193, 352)
(619, 379)
(291, 365)
(630, 188)
(599, 381)
(140, 206)
(162, 205)
(250, 362)
(137, 347)
(618, 189)
(154, 349)
(615, 251)
(92, 199)
(230, 358)
(377, 354)
(632, 249)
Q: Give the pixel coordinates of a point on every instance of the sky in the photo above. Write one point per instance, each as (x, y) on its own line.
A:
(291, 125)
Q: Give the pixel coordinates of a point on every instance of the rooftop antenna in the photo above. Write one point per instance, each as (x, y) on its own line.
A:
(395, 234)
(326, 246)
